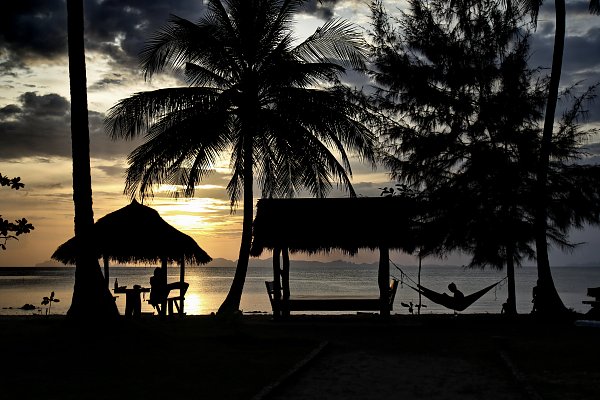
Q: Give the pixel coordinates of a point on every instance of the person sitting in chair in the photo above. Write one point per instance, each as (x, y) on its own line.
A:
(158, 289)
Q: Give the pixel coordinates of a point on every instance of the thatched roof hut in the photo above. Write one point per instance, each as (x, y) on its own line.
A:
(348, 224)
(136, 233)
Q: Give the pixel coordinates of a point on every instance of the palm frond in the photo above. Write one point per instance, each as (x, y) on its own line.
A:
(198, 75)
(336, 41)
(133, 116)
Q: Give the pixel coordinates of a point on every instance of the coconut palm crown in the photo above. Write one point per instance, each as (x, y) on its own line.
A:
(276, 105)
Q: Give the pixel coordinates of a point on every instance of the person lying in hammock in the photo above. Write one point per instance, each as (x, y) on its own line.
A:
(457, 302)
(458, 295)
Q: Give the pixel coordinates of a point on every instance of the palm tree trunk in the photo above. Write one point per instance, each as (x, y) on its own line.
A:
(383, 281)
(548, 300)
(91, 297)
(511, 302)
(276, 282)
(285, 280)
(231, 304)
(419, 284)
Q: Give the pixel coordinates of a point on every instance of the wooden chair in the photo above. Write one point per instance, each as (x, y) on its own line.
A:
(173, 302)
(594, 312)
(177, 300)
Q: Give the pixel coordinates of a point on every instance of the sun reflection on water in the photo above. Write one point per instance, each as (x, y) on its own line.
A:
(198, 304)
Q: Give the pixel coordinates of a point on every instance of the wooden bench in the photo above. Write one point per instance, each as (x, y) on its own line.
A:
(328, 303)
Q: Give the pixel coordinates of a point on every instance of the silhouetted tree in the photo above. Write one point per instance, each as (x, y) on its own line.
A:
(10, 230)
(456, 80)
(469, 111)
(548, 300)
(276, 106)
(91, 296)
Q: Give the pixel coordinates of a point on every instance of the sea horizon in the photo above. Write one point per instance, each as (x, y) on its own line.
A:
(210, 284)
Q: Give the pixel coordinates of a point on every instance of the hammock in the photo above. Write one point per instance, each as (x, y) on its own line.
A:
(456, 304)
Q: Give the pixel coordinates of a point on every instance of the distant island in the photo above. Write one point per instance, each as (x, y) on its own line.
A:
(268, 263)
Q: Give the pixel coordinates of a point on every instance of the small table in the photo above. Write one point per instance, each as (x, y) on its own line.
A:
(133, 301)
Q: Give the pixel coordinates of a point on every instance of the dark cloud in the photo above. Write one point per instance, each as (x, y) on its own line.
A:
(114, 27)
(39, 126)
(582, 51)
(121, 27)
(31, 29)
(50, 105)
(118, 28)
(578, 7)
(110, 80)
(593, 148)
(581, 60)
(320, 8)
(9, 111)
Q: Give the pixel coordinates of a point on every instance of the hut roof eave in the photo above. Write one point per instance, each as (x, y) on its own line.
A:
(136, 234)
(348, 224)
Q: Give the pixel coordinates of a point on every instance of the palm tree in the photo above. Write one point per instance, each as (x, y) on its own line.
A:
(547, 299)
(277, 107)
(91, 296)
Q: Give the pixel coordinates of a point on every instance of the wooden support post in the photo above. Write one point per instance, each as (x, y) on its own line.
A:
(163, 266)
(182, 270)
(182, 280)
(383, 280)
(106, 271)
(276, 283)
(285, 281)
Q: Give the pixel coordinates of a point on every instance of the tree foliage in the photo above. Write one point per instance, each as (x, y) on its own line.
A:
(10, 230)
(465, 112)
(276, 106)
(454, 80)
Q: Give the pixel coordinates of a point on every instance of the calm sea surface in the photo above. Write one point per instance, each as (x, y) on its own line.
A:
(209, 285)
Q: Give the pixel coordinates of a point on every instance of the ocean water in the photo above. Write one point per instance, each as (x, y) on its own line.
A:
(209, 286)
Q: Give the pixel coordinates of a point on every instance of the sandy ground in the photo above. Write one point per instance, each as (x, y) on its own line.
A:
(441, 357)
(359, 357)
(359, 374)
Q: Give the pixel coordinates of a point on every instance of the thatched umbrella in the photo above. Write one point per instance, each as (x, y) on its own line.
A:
(133, 234)
(320, 225)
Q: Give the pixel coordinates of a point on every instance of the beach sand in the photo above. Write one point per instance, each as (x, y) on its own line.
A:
(305, 357)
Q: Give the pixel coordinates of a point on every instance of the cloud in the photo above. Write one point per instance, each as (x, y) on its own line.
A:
(26, 26)
(114, 27)
(593, 148)
(9, 111)
(581, 59)
(319, 8)
(39, 126)
(115, 171)
(111, 79)
(118, 28)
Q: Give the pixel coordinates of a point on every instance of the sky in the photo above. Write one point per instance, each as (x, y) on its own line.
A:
(35, 128)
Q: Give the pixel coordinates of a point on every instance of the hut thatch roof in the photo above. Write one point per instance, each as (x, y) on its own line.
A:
(320, 225)
(136, 233)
